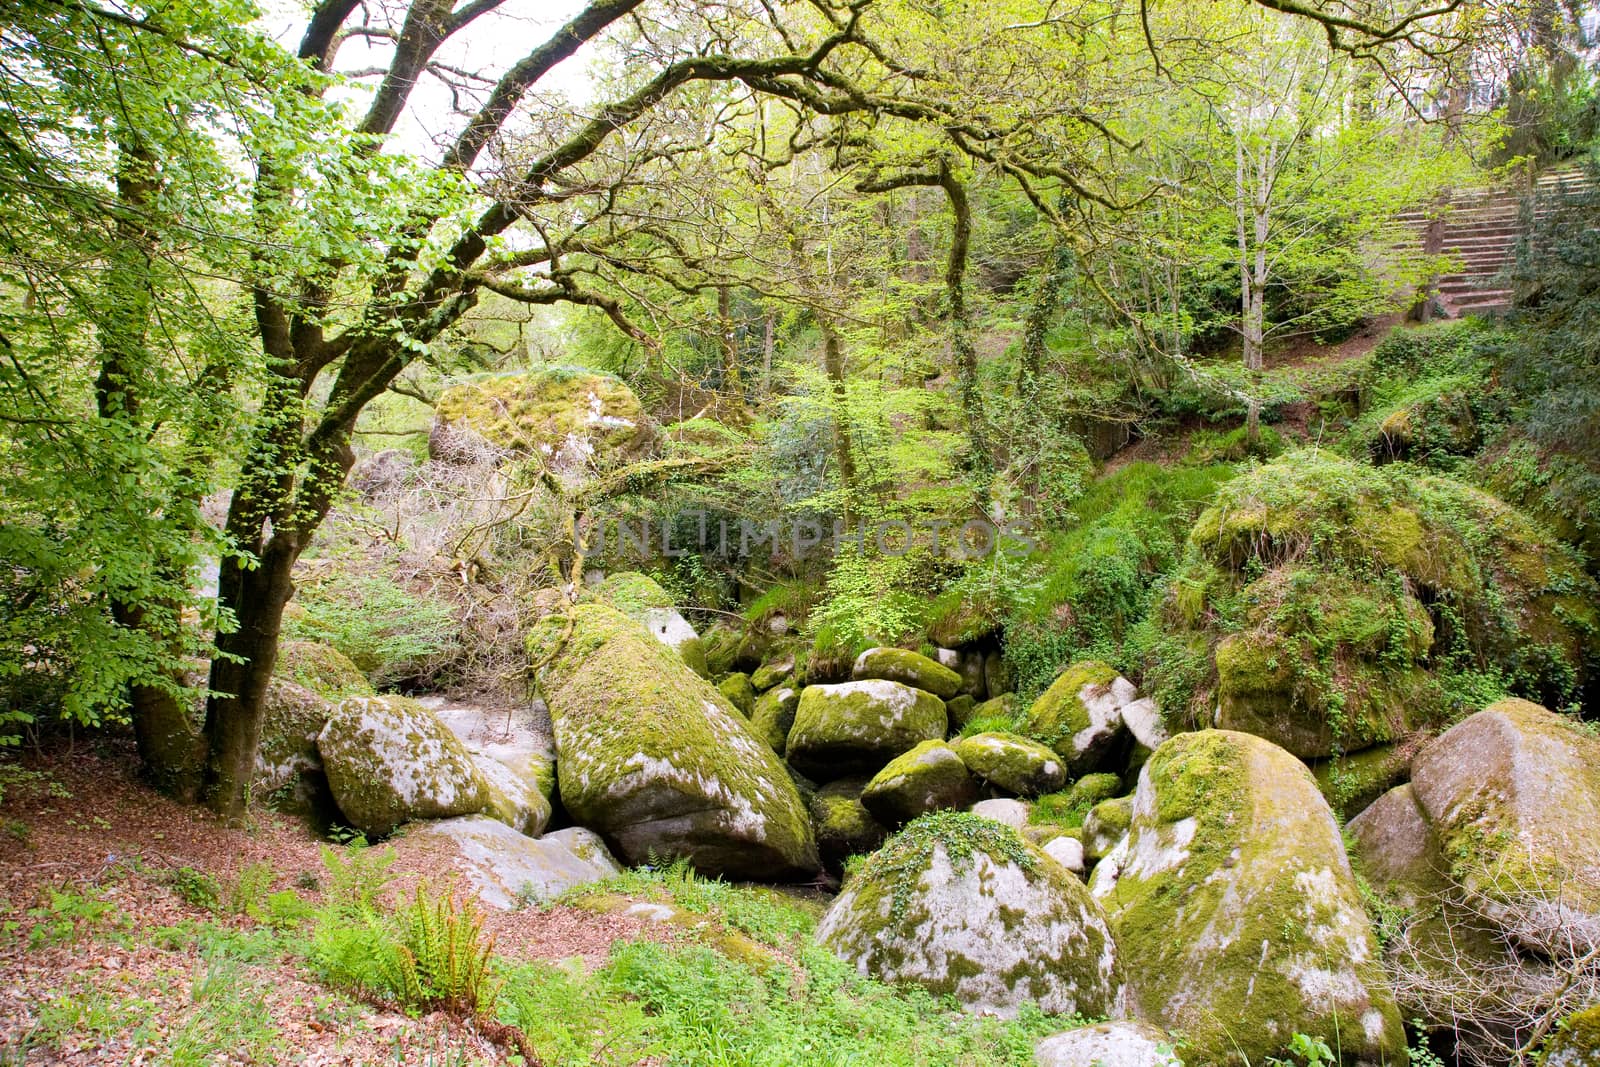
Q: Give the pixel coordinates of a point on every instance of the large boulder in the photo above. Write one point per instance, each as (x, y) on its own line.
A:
(740, 693)
(1014, 764)
(1513, 794)
(639, 598)
(911, 668)
(1455, 969)
(515, 751)
(506, 868)
(929, 777)
(653, 757)
(1344, 586)
(390, 760)
(857, 727)
(1116, 1044)
(1080, 715)
(844, 827)
(572, 420)
(1232, 901)
(961, 905)
(308, 679)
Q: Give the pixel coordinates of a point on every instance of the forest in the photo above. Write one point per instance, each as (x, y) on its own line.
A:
(800, 532)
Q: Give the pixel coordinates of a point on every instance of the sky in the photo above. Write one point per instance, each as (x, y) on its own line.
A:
(492, 43)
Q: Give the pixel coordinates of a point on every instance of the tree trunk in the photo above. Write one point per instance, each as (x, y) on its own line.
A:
(833, 365)
(769, 331)
(979, 462)
(730, 348)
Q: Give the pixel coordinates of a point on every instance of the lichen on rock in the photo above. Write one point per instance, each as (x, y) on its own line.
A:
(1233, 902)
(390, 760)
(1012, 763)
(655, 759)
(857, 727)
(961, 905)
(928, 777)
(909, 668)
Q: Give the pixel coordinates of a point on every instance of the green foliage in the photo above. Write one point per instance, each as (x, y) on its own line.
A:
(1100, 576)
(198, 889)
(439, 959)
(392, 634)
(766, 915)
(1306, 1051)
(873, 599)
(961, 835)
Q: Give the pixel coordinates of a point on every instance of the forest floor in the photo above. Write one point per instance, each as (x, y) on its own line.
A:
(124, 935)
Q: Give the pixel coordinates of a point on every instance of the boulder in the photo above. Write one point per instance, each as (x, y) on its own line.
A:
(844, 827)
(740, 693)
(573, 420)
(390, 760)
(959, 709)
(1144, 722)
(1080, 715)
(972, 679)
(963, 906)
(308, 679)
(1067, 851)
(1232, 901)
(1351, 783)
(908, 668)
(1118, 1044)
(654, 758)
(642, 600)
(508, 869)
(857, 727)
(1577, 1042)
(928, 777)
(1012, 813)
(772, 716)
(515, 750)
(1106, 824)
(1513, 795)
(1014, 764)
(773, 672)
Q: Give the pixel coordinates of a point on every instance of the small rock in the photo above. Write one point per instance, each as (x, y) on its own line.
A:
(1118, 1044)
(1067, 851)
(1013, 813)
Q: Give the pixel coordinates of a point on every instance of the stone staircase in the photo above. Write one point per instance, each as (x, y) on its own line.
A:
(1480, 231)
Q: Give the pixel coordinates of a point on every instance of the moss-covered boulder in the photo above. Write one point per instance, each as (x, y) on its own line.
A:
(1455, 968)
(308, 679)
(843, 825)
(1106, 824)
(740, 693)
(772, 716)
(909, 668)
(929, 777)
(390, 760)
(1513, 794)
(507, 869)
(1577, 1042)
(639, 598)
(1351, 783)
(1322, 599)
(513, 799)
(1116, 1044)
(322, 669)
(959, 708)
(774, 672)
(857, 727)
(572, 419)
(1012, 763)
(1080, 715)
(961, 905)
(654, 758)
(1232, 900)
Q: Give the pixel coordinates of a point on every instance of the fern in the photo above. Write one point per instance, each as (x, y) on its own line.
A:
(441, 960)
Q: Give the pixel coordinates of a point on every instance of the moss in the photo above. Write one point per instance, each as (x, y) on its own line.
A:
(1576, 1043)
(859, 726)
(1012, 763)
(639, 598)
(631, 593)
(955, 619)
(740, 693)
(537, 412)
(322, 669)
(929, 777)
(656, 760)
(1351, 782)
(909, 668)
(1232, 900)
(961, 905)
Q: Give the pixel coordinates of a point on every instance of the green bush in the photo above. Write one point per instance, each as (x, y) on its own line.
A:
(390, 633)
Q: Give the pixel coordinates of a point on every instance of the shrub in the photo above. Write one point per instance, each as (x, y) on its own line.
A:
(439, 960)
(393, 635)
